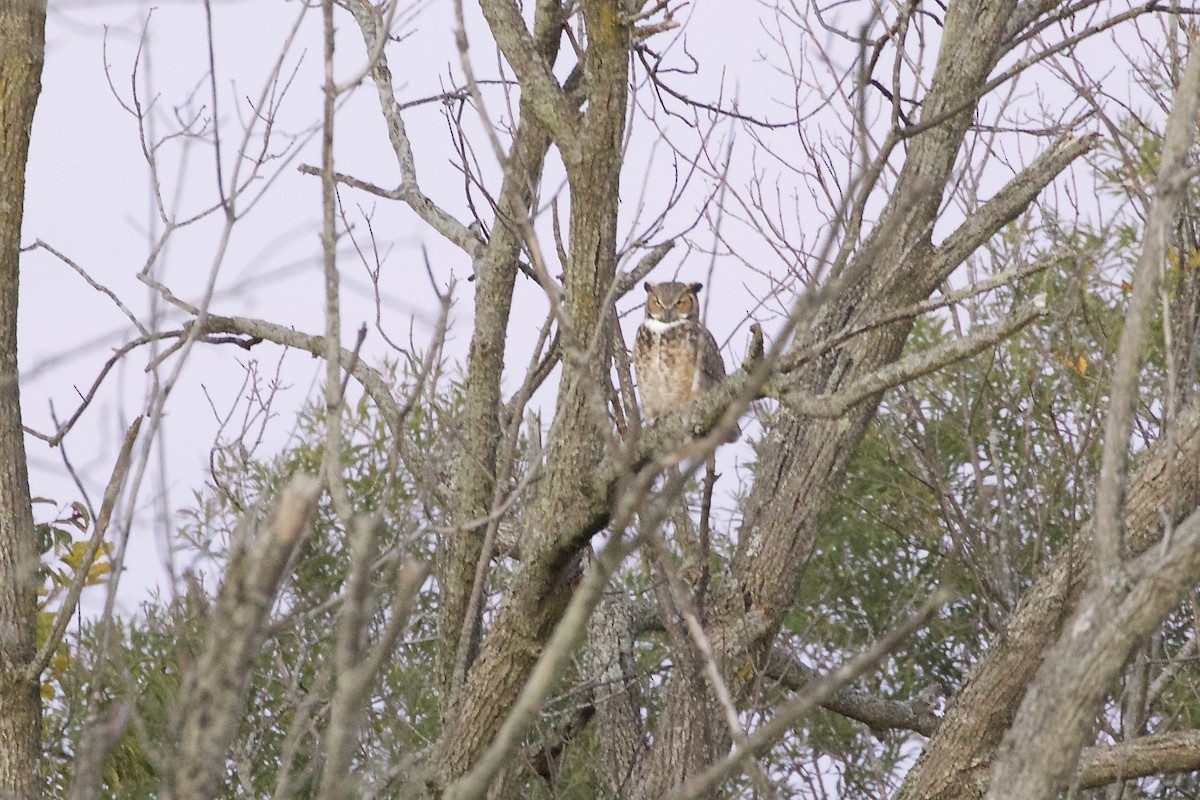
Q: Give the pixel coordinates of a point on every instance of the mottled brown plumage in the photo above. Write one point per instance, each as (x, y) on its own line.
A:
(675, 356)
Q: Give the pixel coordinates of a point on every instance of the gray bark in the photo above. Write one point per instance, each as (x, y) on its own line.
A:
(22, 42)
(213, 698)
(1165, 481)
(1126, 601)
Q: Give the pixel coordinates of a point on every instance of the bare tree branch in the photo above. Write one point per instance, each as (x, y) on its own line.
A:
(214, 691)
(1158, 754)
(797, 708)
(546, 98)
(1169, 190)
(910, 367)
(875, 712)
(369, 21)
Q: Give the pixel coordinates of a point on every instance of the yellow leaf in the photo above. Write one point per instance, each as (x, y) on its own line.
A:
(59, 664)
(97, 573)
(1081, 365)
(74, 557)
(48, 692)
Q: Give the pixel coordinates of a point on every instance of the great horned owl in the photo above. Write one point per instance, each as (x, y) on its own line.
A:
(675, 356)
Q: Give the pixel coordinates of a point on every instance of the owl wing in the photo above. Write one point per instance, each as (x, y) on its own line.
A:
(712, 370)
(711, 365)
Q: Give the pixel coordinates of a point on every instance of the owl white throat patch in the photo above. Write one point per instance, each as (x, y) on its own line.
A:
(658, 326)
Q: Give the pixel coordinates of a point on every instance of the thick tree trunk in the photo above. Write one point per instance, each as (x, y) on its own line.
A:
(22, 40)
(805, 458)
(566, 508)
(475, 473)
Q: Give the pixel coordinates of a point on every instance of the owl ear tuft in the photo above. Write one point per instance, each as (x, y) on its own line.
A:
(696, 287)
(647, 286)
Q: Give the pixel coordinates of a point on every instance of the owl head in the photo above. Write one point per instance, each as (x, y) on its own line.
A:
(672, 302)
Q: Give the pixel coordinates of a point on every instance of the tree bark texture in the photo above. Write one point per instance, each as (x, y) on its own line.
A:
(475, 485)
(213, 698)
(1165, 481)
(805, 458)
(475, 476)
(1126, 599)
(22, 44)
(566, 509)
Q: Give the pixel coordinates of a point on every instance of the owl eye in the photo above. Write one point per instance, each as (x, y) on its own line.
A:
(653, 302)
(684, 305)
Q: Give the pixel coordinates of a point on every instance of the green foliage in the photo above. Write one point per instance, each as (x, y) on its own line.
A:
(149, 653)
(970, 477)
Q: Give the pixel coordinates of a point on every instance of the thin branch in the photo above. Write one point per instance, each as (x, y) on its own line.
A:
(797, 708)
(99, 287)
(878, 713)
(410, 189)
(547, 99)
(111, 494)
(834, 404)
(1169, 189)
(65, 427)
(371, 379)
(1008, 277)
(1009, 202)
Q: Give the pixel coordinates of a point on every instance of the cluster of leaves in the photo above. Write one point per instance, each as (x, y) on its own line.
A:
(63, 545)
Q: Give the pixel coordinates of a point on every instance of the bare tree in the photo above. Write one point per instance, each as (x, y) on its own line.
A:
(586, 612)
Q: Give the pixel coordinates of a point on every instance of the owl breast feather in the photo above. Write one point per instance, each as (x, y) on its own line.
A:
(667, 366)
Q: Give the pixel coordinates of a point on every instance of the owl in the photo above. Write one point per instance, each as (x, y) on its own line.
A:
(675, 356)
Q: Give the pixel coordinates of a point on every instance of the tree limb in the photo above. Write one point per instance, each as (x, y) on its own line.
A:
(905, 369)
(215, 689)
(1157, 754)
(798, 707)
(875, 712)
(545, 97)
(112, 493)
(368, 19)
(1170, 187)
(1007, 204)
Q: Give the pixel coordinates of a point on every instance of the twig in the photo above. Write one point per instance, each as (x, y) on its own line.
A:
(1169, 189)
(798, 707)
(834, 404)
(99, 287)
(111, 494)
